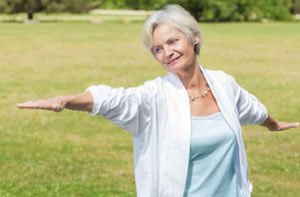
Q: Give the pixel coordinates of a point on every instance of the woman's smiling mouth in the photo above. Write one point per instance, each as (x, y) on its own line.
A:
(173, 60)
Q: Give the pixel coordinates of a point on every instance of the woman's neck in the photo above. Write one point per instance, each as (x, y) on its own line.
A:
(191, 77)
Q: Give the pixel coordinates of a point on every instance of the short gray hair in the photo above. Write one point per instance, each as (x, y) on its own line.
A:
(177, 17)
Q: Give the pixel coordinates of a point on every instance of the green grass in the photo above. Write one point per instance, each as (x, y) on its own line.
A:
(72, 154)
(69, 17)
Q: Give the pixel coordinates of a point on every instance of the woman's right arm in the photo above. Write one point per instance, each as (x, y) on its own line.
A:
(81, 102)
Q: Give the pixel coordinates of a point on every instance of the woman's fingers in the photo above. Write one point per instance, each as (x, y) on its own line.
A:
(285, 125)
(28, 105)
(48, 104)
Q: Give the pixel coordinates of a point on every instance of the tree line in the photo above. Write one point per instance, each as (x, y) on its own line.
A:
(202, 10)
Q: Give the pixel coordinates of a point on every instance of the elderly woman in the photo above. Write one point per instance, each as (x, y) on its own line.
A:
(186, 126)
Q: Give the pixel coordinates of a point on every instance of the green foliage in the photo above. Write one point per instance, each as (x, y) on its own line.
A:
(15, 6)
(275, 9)
(296, 7)
(114, 4)
(79, 6)
(147, 4)
(3, 7)
(52, 6)
(237, 10)
(133, 4)
(202, 10)
(48, 6)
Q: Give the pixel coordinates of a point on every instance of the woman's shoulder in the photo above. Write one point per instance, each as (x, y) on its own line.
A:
(219, 76)
(154, 83)
(151, 86)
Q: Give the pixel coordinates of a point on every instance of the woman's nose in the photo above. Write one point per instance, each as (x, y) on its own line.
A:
(168, 51)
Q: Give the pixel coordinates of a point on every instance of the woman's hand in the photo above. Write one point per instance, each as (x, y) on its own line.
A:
(56, 104)
(274, 125)
(81, 102)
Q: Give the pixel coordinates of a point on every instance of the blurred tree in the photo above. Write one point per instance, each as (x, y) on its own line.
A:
(52, 6)
(147, 4)
(296, 7)
(80, 6)
(48, 6)
(133, 4)
(15, 6)
(202, 10)
(114, 4)
(31, 6)
(237, 10)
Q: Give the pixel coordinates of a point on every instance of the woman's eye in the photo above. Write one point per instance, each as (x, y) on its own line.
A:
(157, 49)
(173, 41)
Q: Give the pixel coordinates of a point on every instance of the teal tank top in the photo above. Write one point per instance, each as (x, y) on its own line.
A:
(211, 170)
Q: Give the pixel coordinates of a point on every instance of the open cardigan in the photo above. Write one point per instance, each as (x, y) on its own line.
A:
(158, 116)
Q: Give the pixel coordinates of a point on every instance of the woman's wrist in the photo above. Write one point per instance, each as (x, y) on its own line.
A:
(62, 100)
(81, 101)
(271, 124)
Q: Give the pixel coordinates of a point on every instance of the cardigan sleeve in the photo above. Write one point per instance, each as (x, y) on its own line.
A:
(250, 109)
(127, 108)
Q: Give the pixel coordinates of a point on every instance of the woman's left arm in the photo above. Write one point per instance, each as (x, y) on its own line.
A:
(274, 125)
(252, 111)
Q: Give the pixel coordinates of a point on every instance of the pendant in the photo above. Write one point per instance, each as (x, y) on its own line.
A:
(193, 98)
(204, 93)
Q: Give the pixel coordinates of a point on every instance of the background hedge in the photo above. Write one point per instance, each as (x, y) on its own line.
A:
(203, 10)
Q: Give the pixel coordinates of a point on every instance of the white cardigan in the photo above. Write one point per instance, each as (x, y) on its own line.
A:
(158, 116)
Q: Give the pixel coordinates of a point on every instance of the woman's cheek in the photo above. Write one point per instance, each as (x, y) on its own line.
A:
(159, 58)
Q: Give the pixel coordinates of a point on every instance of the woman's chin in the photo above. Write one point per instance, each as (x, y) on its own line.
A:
(175, 68)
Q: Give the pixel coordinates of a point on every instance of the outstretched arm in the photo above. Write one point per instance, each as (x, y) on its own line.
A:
(274, 125)
(252, 111)
(81, 102)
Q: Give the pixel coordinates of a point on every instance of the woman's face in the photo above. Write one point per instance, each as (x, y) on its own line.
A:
(172, 49)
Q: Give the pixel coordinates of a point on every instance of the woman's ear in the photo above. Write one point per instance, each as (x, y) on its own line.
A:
(196, 42)
(196, 39)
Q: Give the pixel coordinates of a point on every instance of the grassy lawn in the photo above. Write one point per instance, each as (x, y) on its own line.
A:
(72, 154)
(117, 16)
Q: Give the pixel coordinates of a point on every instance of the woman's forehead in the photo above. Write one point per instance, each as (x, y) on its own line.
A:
(163, 32)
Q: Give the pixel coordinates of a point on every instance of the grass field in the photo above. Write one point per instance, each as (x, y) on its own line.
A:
(98, 16)
(72, 154)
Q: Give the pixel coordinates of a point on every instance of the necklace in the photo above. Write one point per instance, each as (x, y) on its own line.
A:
(205, 92)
